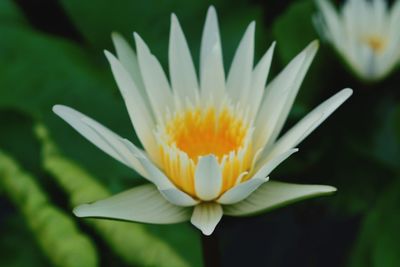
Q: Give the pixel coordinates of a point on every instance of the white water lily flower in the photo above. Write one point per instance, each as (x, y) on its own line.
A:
(366, 33)
(209, 142)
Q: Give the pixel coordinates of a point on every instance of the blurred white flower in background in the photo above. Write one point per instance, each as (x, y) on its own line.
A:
(209, 141)
(366, 33)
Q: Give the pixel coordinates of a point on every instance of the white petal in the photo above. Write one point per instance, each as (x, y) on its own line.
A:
(128, 58)
(265, 165)
(166, 187)
(140, 204)
(275, 194)
(212, 75)
(241, 191)
(179, 198)
(260, 73)
(155, 81)
(275, 99)
(239, 77)
(206, 216)
(101, 137)
(138, 112)
(208, 178)
(309, 53)
(333, 24)
(156, 176)
(181, 68)
(311, 121)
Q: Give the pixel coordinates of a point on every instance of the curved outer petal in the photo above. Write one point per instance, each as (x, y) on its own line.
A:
(334, 27)
(253, 97)
(239, 76)
(309, 52)
(206, 216)
(179, 198)
(140, 204)
(101, 137)
(181, 69)
(166, 187)
(155, 81)
(212, 75)
(141, 117)
(308, 124)
(275, 99)
(275, 194)
(128, 58)
(243, 190)
(208, 178)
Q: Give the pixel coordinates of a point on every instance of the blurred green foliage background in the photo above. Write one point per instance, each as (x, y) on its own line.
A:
(46, 168)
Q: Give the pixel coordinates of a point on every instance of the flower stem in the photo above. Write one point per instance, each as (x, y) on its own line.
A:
(211, 256)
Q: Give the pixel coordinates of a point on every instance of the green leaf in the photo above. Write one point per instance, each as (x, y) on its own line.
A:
(293, 30)
(17, 138)
(128, 16)
(38, 71)
(386, 143)
(291, 40)
(9, 13)
(55, 232)
(133, 242)
(17, 244)
(377, 244)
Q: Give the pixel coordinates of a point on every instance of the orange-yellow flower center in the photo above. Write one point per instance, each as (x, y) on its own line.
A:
(202, 133)
(197, 132)
(376, 43)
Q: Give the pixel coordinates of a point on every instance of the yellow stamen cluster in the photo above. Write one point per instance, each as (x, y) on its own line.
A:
(376, 43)
(196, 132)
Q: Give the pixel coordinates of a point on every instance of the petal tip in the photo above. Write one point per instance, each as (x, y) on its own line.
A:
(108, 54)
(211, 12)
(59, 110)
(329, 189)
(207, 230)
(56, 108)
(347, 91)
(115, 36)
(174, 18)
(81, 210)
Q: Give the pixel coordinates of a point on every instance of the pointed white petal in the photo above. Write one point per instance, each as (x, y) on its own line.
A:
(309, 53)
(311, 121)
(265, 165)
(212, 75)
(181, 68)
(128, 58)
(179, 198)
(333, 24)
(241, 191)
(155, 175)
(208, 178)
(275, 99)
(260, 73)
(138, 112)
(140, 204)
(166, 187)
(206, 216)
(101, 137)
(275, 194)
(239, 77)
(155, 81)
